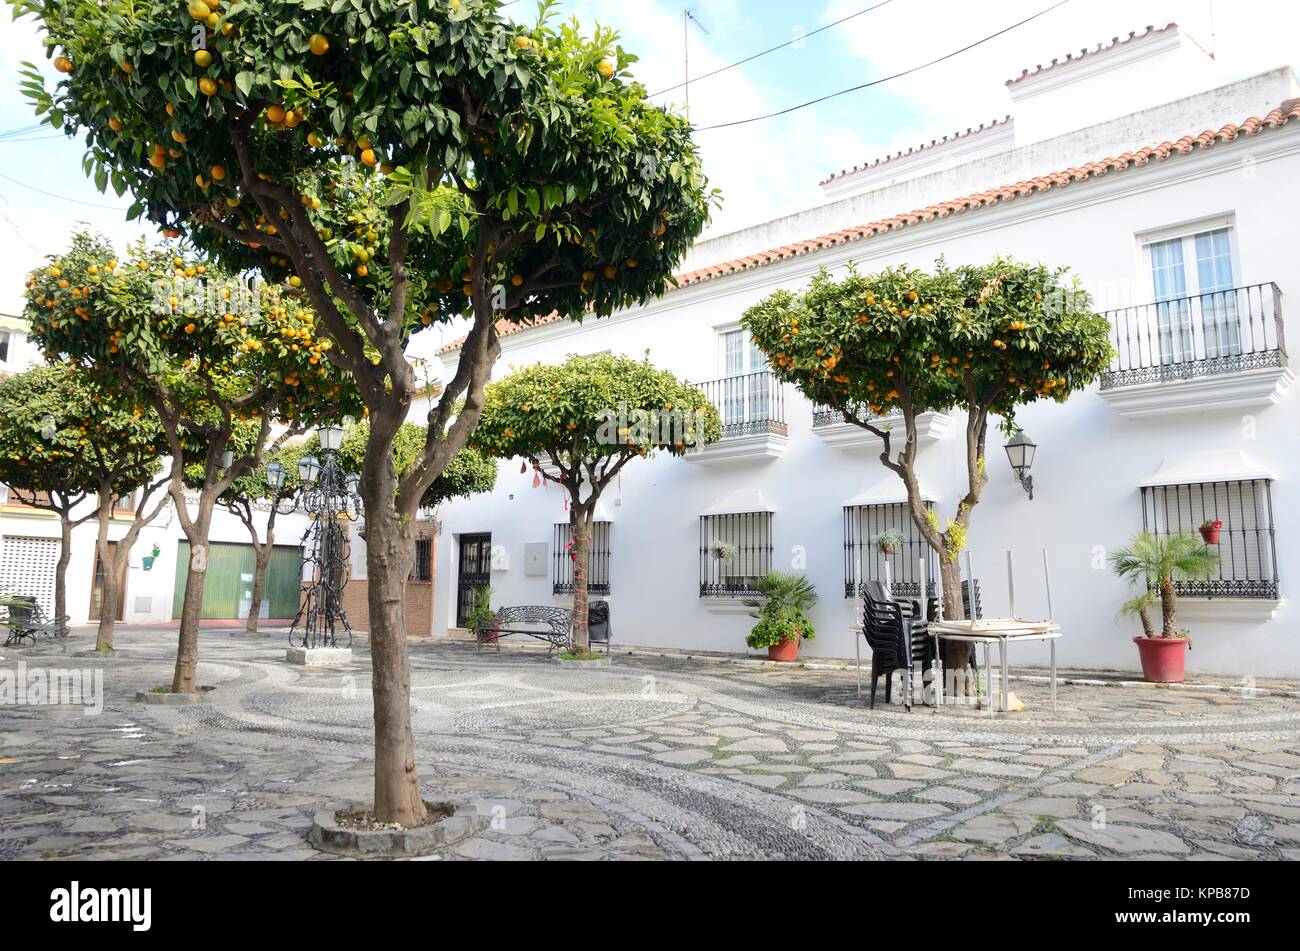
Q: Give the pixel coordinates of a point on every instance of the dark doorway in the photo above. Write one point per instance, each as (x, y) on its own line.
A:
(475, 571)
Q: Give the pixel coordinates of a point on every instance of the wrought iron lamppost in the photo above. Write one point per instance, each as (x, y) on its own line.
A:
(1021, 450)
(329, 497)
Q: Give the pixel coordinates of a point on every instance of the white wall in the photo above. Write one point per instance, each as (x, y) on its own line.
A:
(1090, 463)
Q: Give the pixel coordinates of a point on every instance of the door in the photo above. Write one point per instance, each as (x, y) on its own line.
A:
(97, 592)
(474, 572)
(27, 569)
(1196, 304)
(228, 591)
(745, 397)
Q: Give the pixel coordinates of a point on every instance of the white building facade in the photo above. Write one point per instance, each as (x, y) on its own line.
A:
(1180, 219)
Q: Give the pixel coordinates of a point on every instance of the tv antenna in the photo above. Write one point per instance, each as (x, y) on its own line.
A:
(689, 17)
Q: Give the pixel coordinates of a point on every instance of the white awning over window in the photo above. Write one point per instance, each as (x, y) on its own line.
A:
(743, 502)
(889, 491)
(1228, 465)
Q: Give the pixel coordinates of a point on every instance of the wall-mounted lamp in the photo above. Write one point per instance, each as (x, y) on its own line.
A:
(1021, 451)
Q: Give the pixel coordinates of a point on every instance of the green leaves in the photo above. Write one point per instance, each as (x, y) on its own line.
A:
(993, 336)
(593, 407)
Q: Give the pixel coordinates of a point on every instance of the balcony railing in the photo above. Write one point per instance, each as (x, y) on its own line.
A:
(751, 405)
(1212, 334)
(824, 416)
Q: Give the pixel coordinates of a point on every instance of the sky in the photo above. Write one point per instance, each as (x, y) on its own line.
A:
(765, 169)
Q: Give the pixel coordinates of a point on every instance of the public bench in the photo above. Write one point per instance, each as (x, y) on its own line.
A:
(25, 620)
(552, 625)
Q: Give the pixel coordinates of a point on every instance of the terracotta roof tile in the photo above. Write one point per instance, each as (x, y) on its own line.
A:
(916, 149)
(1254, 125)
(1085, 53)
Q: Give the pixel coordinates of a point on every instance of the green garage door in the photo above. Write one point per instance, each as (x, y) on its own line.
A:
(229, 588)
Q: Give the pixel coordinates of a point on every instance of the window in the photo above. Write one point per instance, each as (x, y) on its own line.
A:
(1196, 307)
(1247, 550)
(4, 346)
(735, 551)
(863, 561)
(422, 570)
(747, 390)
(597, 559)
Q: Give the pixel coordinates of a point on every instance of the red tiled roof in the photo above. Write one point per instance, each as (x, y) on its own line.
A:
(1115, 43)
(1289, 112)
(916, 149)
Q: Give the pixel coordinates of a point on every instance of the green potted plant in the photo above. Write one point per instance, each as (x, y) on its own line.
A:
(1155, 564)
(888, 542)
(723, 551)
(482, 621)
(782, 613)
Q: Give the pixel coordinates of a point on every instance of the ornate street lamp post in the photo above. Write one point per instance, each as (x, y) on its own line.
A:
(329, 497)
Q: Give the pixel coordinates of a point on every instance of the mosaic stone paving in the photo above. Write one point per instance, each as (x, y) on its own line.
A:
(659, 757)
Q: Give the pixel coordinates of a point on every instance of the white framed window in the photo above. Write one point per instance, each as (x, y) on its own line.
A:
(1193, 281)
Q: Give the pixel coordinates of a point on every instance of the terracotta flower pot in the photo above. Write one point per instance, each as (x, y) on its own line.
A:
(1164, 659)
(1211, 535)
(787, 652)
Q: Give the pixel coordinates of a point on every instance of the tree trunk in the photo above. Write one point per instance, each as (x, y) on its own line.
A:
(108, 591)
(1169, 606)
(263, 561)
(580, 532)
(61, 572)
(390, 551)
(187, 648)
(958, 658)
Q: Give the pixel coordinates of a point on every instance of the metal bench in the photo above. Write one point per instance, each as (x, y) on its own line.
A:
(552, 625)
(25, 620)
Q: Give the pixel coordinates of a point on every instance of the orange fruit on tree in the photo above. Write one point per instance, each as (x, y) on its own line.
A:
(368, 157)
(218, 173)
(178, 136)
(606, 68)
(63, 64)
(275, 114)
(115, 124)
(208, 86)
(158, 160)
(202, 59)
(127, 67)
(362, 270)
(318, 44)
(517, 280)
(199, 9)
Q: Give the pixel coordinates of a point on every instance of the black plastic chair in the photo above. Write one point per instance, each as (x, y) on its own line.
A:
(599, 630)
(891, 634)
(932, 606)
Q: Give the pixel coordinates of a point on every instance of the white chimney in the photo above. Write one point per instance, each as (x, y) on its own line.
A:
(1114, 79)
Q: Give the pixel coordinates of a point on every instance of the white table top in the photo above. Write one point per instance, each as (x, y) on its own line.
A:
(996, 630)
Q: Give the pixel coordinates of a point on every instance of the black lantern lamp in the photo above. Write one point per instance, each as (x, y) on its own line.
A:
(1021, 450)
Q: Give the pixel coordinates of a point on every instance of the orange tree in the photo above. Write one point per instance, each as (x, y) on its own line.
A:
(405, 162)
(580, 423)
(65, 440)
(982, 339)
(206, 353)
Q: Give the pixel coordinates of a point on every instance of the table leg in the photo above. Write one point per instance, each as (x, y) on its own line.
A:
(1006, 675)
(988, 679)
(1053, 676)
(857, 651)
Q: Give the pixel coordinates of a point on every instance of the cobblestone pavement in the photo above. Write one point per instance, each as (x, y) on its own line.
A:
(658, 757)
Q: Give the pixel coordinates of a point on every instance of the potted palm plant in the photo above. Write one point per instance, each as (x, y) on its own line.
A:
(782, 613)
(1155, 564)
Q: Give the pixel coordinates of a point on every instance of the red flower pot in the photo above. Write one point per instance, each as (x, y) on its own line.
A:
(1211, 535)
(1164, 659)
(787, 652)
